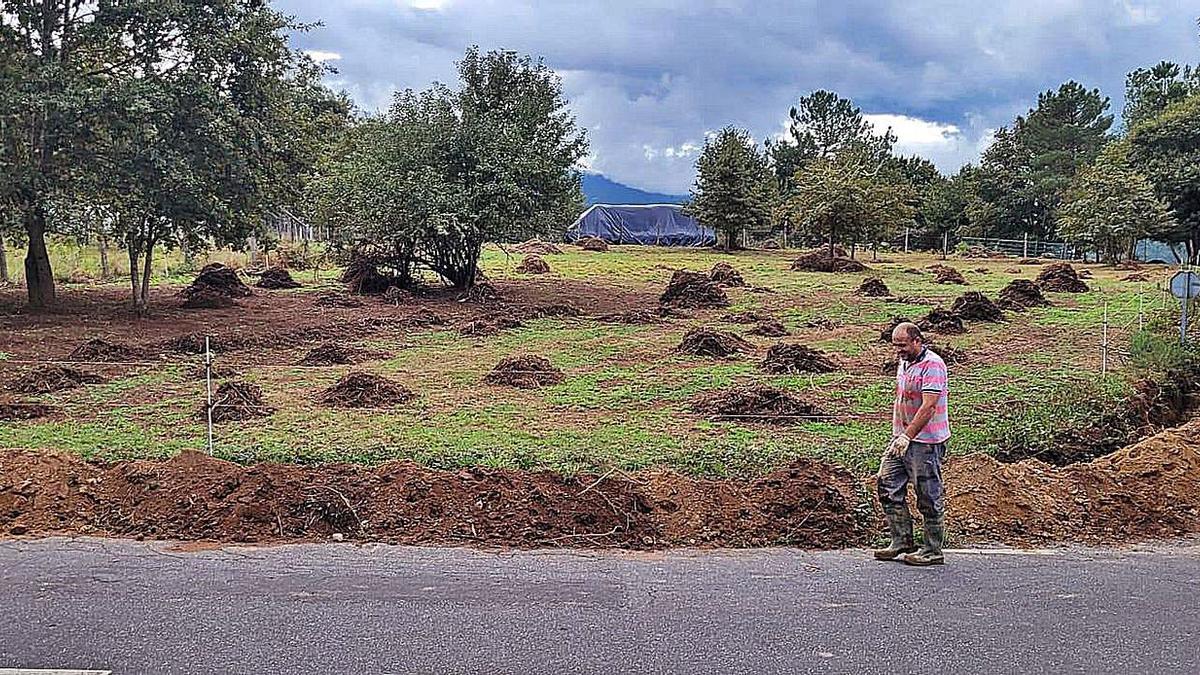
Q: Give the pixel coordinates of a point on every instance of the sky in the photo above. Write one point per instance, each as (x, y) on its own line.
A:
(650, 79)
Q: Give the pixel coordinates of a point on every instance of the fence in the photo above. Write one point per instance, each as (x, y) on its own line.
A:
(1025, 247)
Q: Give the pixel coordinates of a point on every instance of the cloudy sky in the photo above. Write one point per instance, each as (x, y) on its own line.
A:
(649, 79)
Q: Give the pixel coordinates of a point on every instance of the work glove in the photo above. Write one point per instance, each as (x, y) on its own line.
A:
(899, 445)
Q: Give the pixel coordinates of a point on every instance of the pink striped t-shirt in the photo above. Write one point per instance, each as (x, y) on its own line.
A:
(925, 374)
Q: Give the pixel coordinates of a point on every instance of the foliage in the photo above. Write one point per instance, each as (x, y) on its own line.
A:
(733, 191)
(1110, 206)
(1150, 91)
(1154, 354)
(444, 171)
(1166, 148)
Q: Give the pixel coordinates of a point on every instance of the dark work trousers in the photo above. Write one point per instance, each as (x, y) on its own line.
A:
(921, 465)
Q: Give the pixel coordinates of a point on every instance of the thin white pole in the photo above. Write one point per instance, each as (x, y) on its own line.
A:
(208, 389)
(906, 240)
(1025, 250)
(1104, 345)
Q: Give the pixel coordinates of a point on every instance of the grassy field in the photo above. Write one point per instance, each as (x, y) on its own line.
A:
(626, 398)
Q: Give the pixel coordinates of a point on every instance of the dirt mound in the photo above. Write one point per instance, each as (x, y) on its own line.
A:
(1085, 274)
(1061, 277)
(975, 306)
(592, 244)
(873, 287)
(366, 390)
(1029, 261)
(789, 359)
(1136, 276)
(363, 277)
(756, 403)
(712, 343)
(1021, 294)
(490, 324)
(394, 295)
(235, 401)
(981, 270)
(819, 260)
(207, 298)
(769, 328)
(943, 274)
(481, 293)
(524, 372)
(333, 354)
(723, 275)
(1144, 491)
(560, 309)
(633, 317)
(102, 351)
(277, 278)
(940, 320)
(533, 264)
(338, 300)
(216, 279)
(424, 319)
(538, 247)
(824, 324)
(12, 411)
(195, 497)
(693, 290)
(50, 378)
(746, 317)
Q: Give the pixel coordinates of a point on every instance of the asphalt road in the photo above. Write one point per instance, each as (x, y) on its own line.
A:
(137, 607)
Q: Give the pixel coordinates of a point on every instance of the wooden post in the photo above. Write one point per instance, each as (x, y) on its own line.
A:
(3, 263)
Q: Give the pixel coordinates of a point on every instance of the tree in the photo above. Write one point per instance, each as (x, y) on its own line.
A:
(1110, 206)
(1149, 91)
(844, 198)
(445, 171)
(1025, 172)
(1166, 148)
(822, 126)
(733, 190)
(945, 203)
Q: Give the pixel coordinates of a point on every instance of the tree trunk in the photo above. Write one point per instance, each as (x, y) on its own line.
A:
(3, 262)
(105, 272)
(39, 278)
(134, 256)
(144, 299)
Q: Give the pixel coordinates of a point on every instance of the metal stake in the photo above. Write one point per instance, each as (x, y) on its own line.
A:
(208, 388)
(1104, 346)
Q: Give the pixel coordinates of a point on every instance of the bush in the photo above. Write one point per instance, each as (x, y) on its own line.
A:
(1154, 353)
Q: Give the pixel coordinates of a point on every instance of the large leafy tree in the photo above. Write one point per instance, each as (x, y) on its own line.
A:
(1166, 148)
(444, 171)
(1149, 91)
(1024, 174)
(733, 190)
(1110, 206)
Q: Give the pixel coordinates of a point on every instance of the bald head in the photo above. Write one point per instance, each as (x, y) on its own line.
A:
(907, 341)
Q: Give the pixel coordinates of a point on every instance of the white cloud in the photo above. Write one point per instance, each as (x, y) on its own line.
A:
(321, 56)
(427, 5)
(913, 132)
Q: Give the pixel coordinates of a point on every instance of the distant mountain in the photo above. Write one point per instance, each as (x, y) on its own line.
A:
(600, 190)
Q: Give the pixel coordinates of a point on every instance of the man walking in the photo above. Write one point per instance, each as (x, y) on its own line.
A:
(920, 429)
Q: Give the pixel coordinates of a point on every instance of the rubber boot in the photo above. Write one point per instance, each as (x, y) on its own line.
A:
(901, 528)
(931, 552)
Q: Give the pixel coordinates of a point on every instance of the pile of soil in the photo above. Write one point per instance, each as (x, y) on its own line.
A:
(366, 390)
(1029, 261)
(723, 275)
(825, 324)
(22, 410)
(333, 354)
(97, 350)
(1085, 274)
(524, 372)
(975, 306)
(1136, 276)
(235, 401)
(1143, 491)
(1021, 294)
(481, 293)
(424, 319)
(712, 343)
(790, 359)
(693, 290)
(193, 496)
(50, 378)
(873, 287)
(538, 247)
(559, 309)
(592, 244)
(944, 274)
(394, 295)
(981, 270)
(756, 403)
(363, 277)
(533, 264)
(942, 321)
(277, 278)
(1061, 277)
(216, 279)
(632, 317)
(819, 260)
(338, 300)
(746, 317)
(490, 324)
(207, 298)
(769, 328)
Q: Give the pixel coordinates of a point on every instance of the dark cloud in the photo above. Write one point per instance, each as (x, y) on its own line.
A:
(649, 79)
